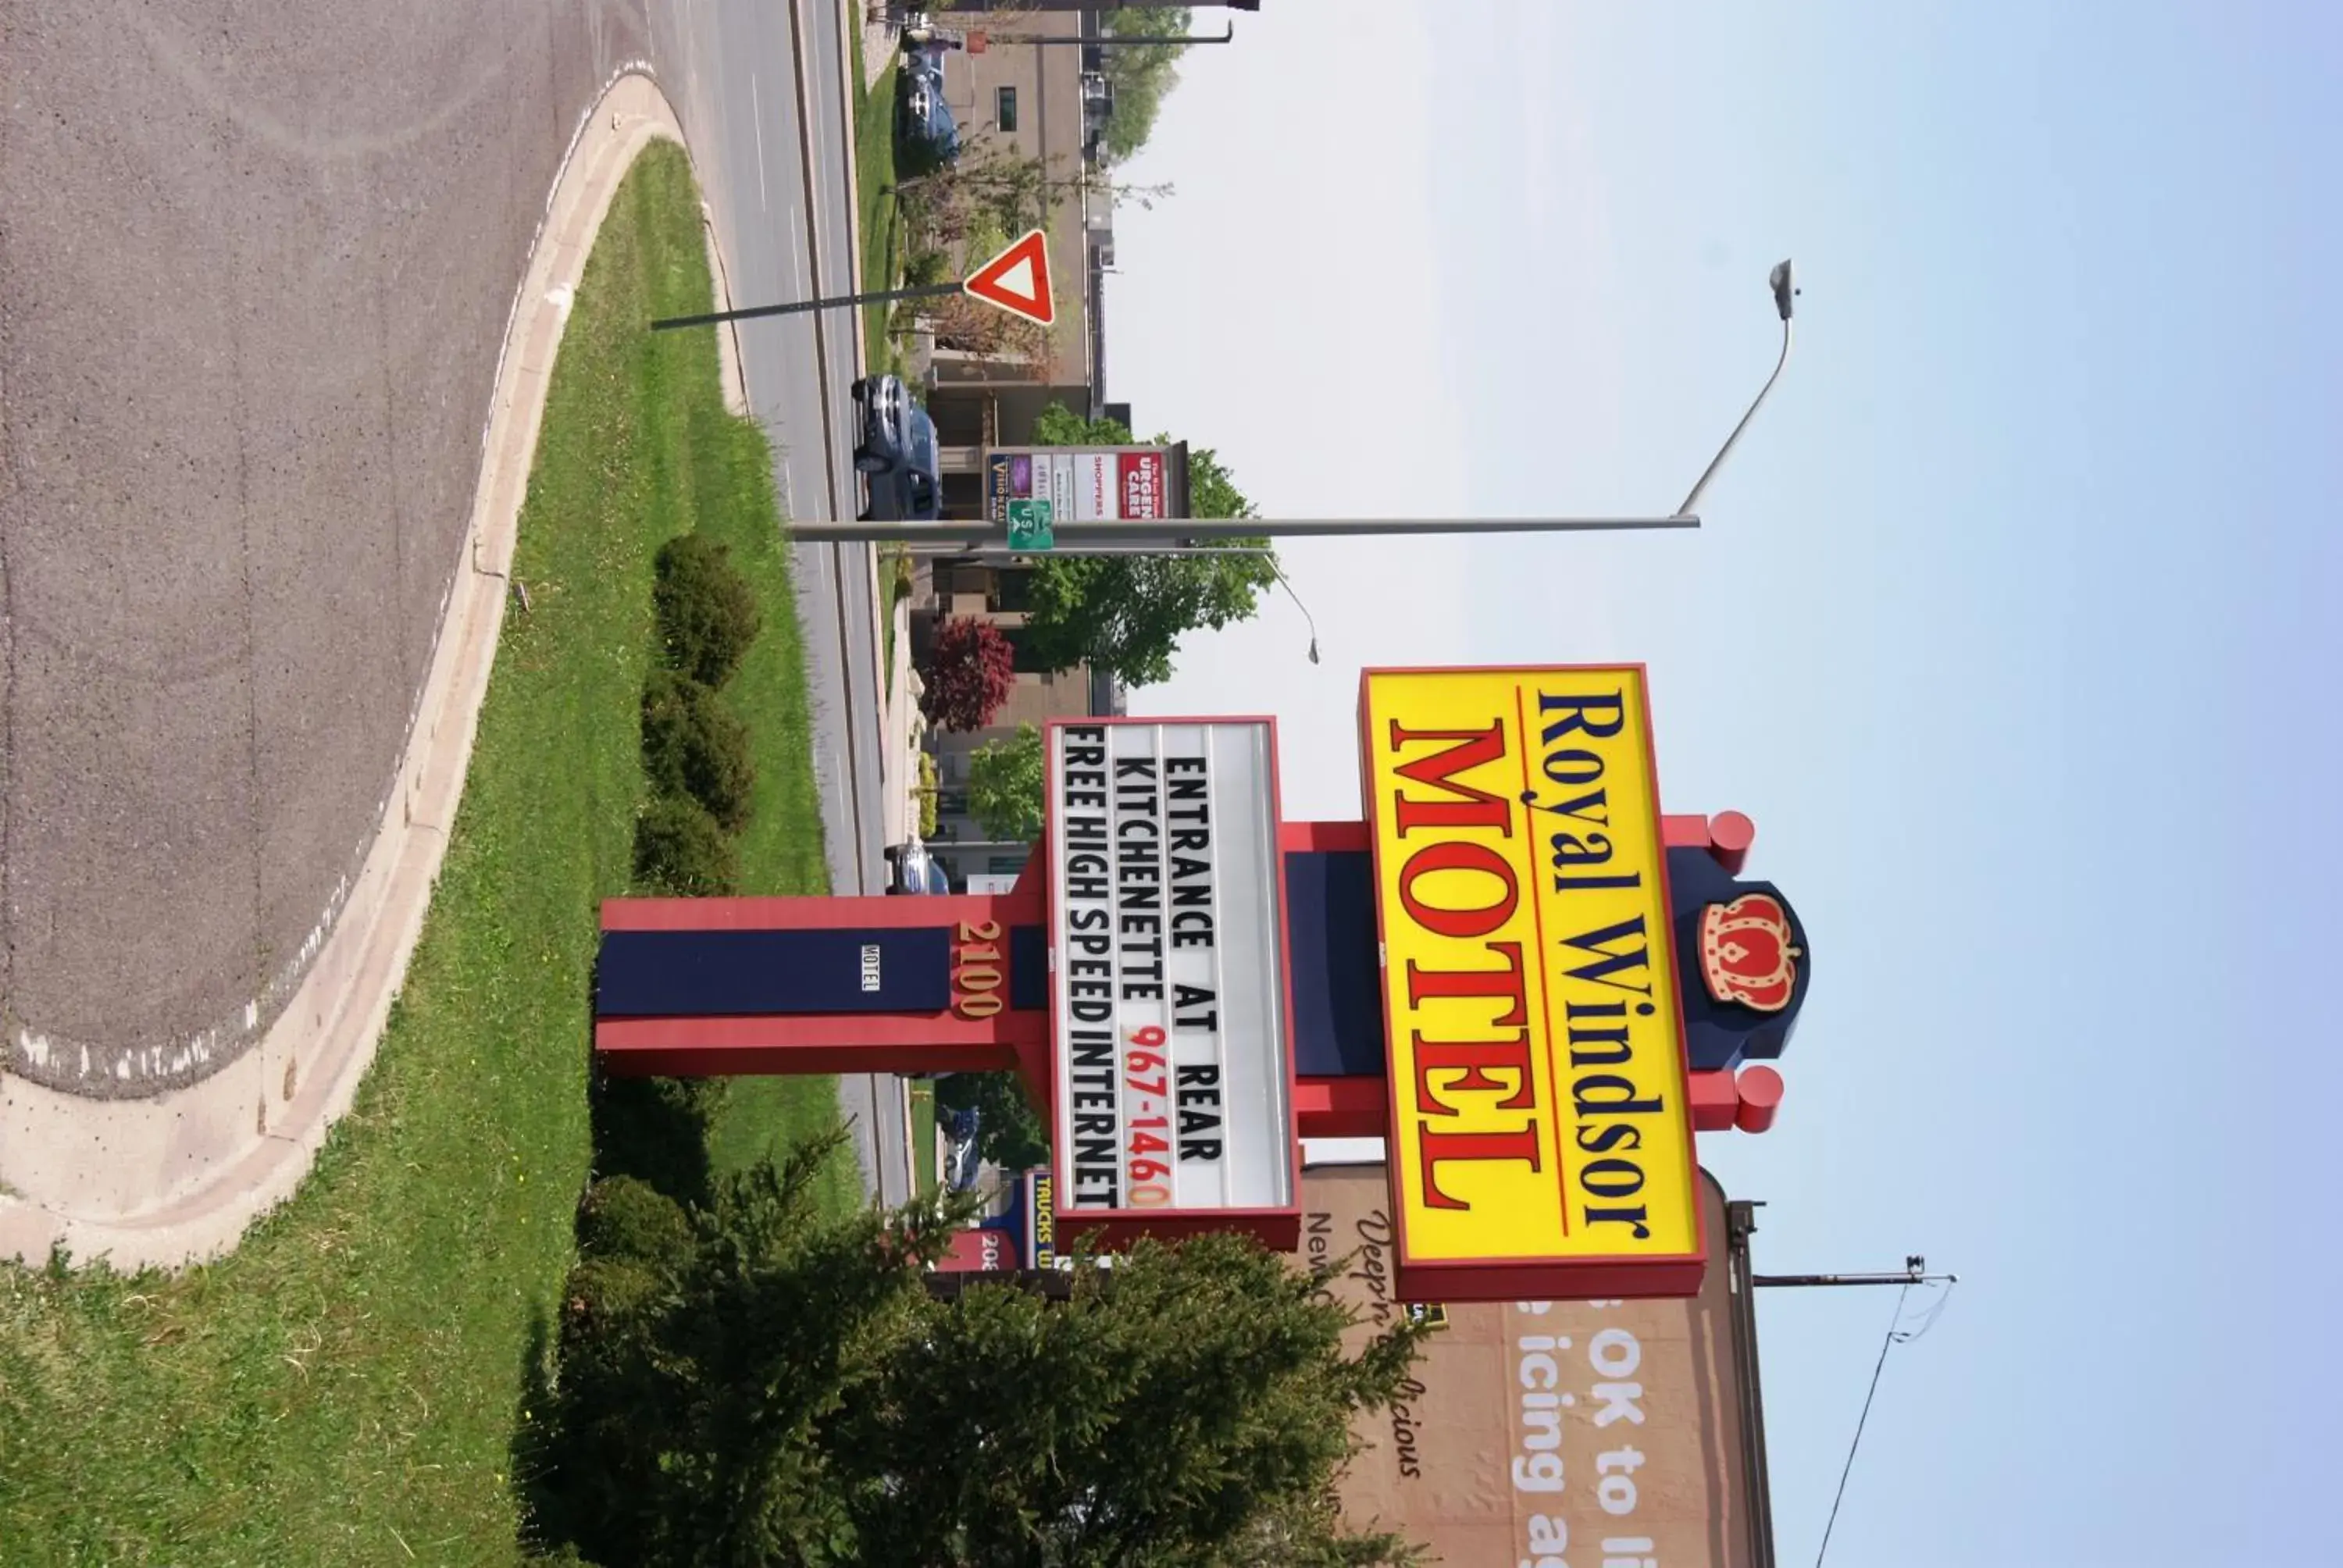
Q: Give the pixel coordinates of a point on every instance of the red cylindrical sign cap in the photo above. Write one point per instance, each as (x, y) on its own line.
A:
(1761, 1097)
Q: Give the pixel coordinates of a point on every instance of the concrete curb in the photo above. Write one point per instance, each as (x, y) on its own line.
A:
(177, 1179)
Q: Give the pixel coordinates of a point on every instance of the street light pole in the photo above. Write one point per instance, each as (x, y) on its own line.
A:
(1279, 573)
(966, 6)
(977, 532)
(1125, 40)
(1785, 295)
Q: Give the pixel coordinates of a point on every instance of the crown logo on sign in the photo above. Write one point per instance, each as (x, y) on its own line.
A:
(1746, 954)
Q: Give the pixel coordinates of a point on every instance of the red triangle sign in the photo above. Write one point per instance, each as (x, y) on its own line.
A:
(1018, 280)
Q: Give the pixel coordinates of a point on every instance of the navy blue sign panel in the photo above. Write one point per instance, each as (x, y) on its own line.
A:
(1331, 940)
(723, 974)
(1744, 969)
(1338, 999)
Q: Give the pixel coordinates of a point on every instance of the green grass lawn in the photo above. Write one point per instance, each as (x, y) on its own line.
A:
(874, 182)
(923, 1133)
(345, 1387)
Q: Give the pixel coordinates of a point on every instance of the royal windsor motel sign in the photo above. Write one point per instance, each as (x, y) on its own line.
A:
(1539, 1112)
(1515, 971)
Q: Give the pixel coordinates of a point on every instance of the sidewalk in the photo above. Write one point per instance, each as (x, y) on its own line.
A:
(177, 1179)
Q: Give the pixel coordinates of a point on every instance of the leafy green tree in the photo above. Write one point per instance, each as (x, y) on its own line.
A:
(751, 1384)
(1126, 614)
(1142, 73)
(1007, 1132)
(1004, 786)
(1191, 1406)
(705, 1362)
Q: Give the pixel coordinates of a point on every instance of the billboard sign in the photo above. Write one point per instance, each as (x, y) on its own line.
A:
(1546, 1432)
(1174, 1088)
(1086, 484)
(1541, 1135)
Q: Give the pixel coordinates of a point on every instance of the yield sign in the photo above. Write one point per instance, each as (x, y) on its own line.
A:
(1018, 280)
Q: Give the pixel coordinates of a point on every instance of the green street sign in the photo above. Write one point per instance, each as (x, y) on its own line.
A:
(1029, 524)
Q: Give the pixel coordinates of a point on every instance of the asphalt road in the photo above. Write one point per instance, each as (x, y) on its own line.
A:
(255, 260)
(255, 263)
(765, 93)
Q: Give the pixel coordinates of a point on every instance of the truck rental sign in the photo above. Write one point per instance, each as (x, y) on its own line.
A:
(1173, 1069)
(1540, 1128)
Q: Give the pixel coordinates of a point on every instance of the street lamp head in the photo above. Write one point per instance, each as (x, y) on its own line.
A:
(1784, 291)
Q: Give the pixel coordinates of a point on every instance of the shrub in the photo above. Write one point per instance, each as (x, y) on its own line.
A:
(968, 673)
(680, 850)
(692, 745)
(626, 1218)
(656, 1129)
(928, 796)
(927, 268)
(707, 613)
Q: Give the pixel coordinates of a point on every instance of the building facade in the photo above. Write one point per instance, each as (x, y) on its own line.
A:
(1046, 102)
(993, 595)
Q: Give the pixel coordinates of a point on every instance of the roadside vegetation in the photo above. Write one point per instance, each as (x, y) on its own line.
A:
(877, 208)
(747, 1380)
(1142, 73)
(352, 1383)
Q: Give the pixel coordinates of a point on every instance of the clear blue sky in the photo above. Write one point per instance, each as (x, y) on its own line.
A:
(2010, 627)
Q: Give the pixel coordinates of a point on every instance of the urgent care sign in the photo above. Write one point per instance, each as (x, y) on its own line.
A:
(1540, 1130)
(1088, 484)
(1173, 1069)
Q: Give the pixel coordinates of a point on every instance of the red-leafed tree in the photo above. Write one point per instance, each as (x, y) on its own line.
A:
(968, 673)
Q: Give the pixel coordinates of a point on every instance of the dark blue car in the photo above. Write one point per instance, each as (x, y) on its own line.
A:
(961, 1161)
(895, 450)
(924, 123)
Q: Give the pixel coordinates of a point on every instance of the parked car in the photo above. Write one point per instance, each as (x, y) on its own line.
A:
(895, 451)
(911, 869)
(961, 1158)
(921, 31)
(924, 127)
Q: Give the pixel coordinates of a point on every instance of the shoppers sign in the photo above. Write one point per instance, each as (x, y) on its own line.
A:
(1552, 1432)
(1173, 1092)
(1540, 1127)
(1086, 484)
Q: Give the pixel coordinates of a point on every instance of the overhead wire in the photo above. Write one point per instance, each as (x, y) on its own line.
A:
(1896, 1335)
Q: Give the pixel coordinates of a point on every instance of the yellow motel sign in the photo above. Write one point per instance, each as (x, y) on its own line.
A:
(1540, 1128)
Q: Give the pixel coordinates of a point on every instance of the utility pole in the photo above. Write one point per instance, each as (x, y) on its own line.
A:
(1915, 1273)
